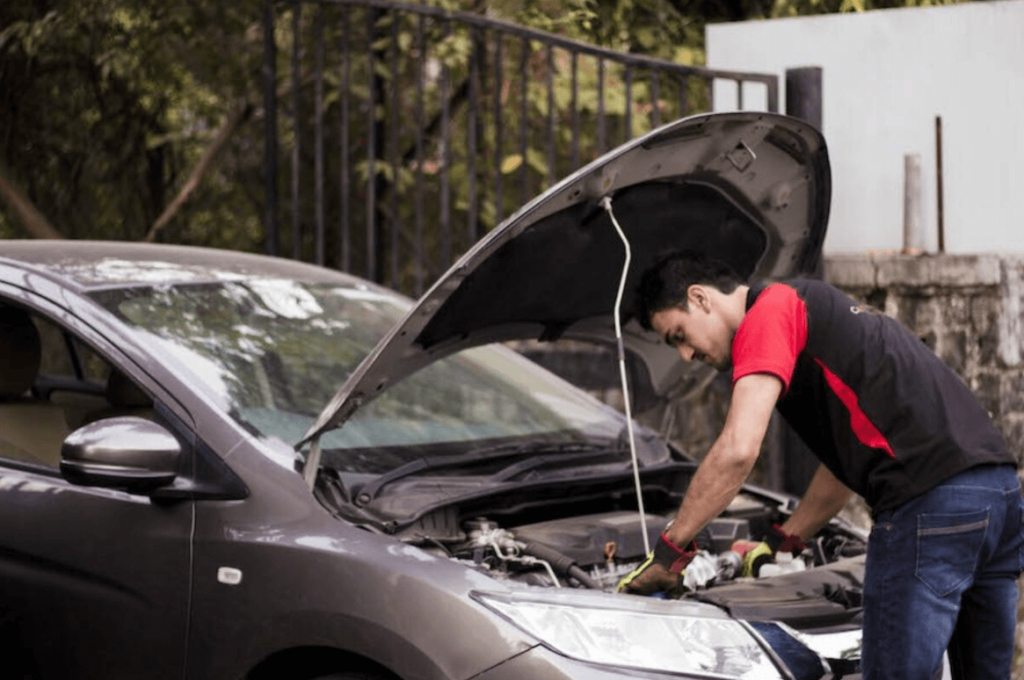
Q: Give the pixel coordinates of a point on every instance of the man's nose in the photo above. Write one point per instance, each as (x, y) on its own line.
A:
(686, 352)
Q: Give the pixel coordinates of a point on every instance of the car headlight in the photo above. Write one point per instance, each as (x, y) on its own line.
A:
(648, 634)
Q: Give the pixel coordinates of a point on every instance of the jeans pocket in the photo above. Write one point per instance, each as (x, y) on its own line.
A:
(948, 548)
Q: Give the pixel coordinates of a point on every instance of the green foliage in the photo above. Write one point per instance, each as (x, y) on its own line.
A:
(107, 105)
(792, 8)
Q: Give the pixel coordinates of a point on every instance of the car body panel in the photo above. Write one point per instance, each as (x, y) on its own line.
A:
(750, 188)
(176, 584)
(130, 565)
(340, 588)
(126, 579)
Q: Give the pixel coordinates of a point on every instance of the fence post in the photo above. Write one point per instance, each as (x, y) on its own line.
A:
(803, 94)
(798, 463)
(913, 222)
(938, 184)
(270, 127)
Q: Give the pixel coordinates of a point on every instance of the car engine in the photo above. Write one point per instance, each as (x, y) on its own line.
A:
(596, 550)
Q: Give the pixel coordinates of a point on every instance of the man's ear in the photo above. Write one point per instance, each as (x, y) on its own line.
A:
(698, 297)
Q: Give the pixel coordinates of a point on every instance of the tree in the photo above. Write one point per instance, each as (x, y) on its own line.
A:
(139, 119)
(107, 103)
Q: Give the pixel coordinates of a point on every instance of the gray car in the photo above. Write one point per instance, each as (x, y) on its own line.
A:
(222, 465)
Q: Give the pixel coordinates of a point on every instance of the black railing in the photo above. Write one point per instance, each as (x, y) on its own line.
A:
(410, 130)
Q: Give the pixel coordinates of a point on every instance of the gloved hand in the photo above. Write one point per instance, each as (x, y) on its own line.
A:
(663, 570)
(755, 555)
(702, 570)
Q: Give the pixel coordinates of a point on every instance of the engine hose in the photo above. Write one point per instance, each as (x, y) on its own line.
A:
(561, 564)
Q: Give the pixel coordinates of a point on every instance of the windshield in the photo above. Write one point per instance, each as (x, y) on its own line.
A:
(272, 352)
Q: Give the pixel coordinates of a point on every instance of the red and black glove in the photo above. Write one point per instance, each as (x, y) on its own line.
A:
(663, 570)
(755, 555)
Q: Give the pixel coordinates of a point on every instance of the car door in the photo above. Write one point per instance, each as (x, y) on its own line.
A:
(94, 582)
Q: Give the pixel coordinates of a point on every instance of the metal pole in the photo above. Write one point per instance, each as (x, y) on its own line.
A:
(524, 84)
(803, 94)
(913, 230)
(371, 151)
(446, 157)
(319, 137)
(575, 112)
(344, 186)
(396, 107)
(798, 464)
(938, 181)
(473, 126)
(601, 134)
(773, 96)
(499, 148)
(550, 81)
(684, 96)
(629, 104)
(421, 256)
(297, 146)
(655, 97)
(270, 225)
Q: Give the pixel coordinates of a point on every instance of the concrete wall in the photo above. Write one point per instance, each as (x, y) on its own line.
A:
(968, 308)
(886, 75)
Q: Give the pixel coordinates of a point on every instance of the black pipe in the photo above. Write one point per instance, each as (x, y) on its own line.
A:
(561, 564)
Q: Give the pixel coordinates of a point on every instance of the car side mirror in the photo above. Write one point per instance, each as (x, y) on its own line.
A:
(125, 452)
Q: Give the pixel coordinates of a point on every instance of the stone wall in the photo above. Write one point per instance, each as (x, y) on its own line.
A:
(968, 308)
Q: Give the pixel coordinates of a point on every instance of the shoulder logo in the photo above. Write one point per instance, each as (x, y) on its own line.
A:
(864, 309)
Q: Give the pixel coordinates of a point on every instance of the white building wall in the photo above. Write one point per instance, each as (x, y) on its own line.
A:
(886, 75)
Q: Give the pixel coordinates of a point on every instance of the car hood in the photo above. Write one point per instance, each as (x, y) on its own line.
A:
(751, 188)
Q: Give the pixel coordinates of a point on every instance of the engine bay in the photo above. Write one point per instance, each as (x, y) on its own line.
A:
(597, 550)
(586, 532)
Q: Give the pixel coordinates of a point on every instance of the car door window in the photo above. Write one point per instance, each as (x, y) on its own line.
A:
(51, 384)
(66, 355)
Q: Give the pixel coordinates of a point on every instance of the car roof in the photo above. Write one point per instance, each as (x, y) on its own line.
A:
(94, 265)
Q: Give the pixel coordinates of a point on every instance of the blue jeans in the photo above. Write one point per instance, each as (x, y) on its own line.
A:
(941, 573)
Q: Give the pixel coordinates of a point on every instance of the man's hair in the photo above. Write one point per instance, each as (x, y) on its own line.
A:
(666, 282)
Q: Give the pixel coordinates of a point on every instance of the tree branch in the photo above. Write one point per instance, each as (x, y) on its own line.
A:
(25, 210)
(240, 113)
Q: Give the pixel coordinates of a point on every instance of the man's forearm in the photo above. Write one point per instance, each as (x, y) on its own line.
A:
(731, 458)
(714, 485)
(825, 496)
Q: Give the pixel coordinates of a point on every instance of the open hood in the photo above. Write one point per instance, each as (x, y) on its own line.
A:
(751, 188)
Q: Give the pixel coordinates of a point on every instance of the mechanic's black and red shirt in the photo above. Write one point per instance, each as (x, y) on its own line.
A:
(873, 402)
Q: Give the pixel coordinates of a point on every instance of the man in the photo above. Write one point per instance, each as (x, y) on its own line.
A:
(889, 421)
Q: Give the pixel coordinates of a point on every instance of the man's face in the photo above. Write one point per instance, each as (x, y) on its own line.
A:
(698, 332)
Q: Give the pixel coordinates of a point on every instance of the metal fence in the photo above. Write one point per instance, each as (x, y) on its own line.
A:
(408, 131)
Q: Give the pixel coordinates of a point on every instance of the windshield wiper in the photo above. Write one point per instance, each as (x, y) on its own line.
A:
(516, 469)
(371, 490)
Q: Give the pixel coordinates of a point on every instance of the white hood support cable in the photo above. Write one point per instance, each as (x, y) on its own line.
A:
(606, 203)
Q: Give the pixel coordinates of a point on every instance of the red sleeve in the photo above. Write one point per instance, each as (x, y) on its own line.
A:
(771, 335)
